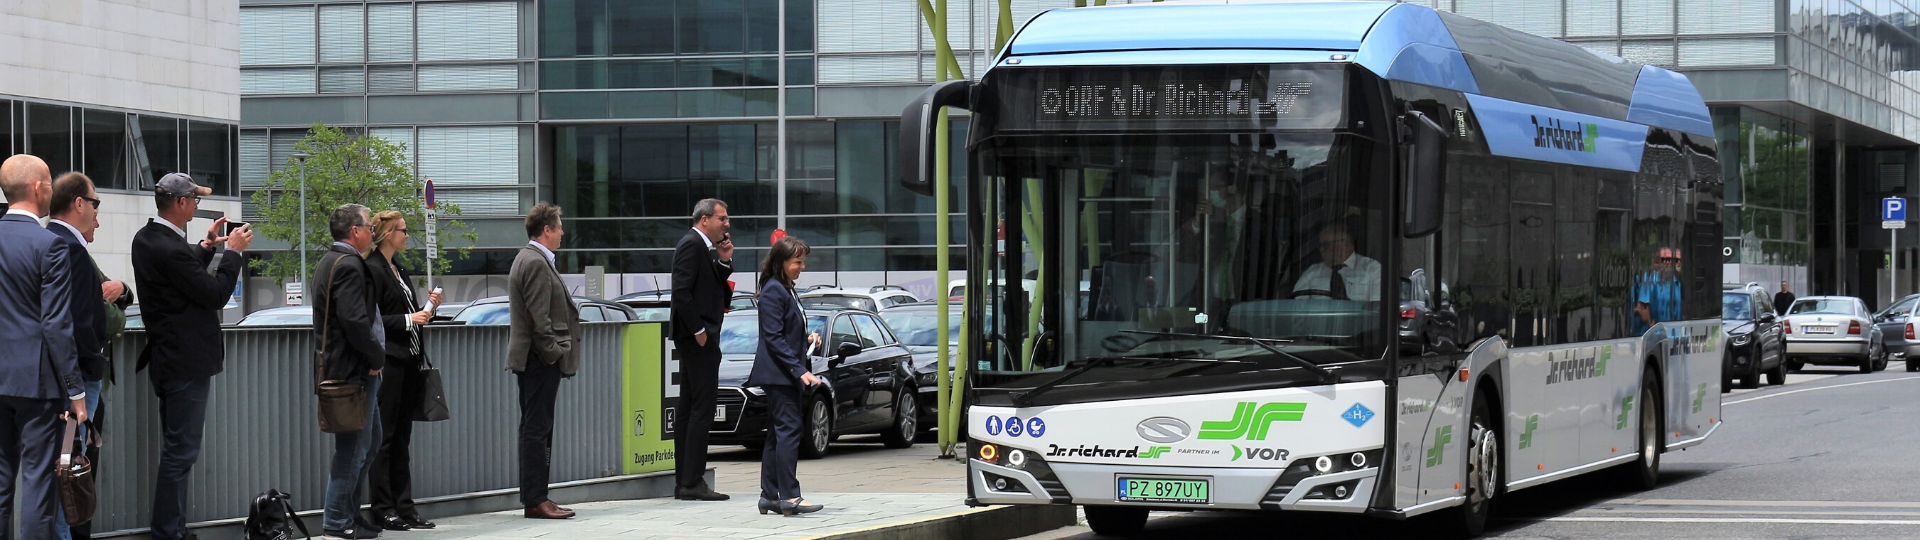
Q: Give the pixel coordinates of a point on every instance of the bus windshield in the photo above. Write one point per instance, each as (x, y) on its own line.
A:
(1184, 245)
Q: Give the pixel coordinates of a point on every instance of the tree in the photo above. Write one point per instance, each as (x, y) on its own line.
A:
(346, 168)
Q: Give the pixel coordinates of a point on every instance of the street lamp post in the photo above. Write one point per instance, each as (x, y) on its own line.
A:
(302, 158)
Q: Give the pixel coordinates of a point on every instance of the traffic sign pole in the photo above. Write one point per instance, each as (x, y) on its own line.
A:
(1893, 217)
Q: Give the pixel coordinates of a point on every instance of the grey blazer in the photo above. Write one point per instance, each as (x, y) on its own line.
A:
(545, 321)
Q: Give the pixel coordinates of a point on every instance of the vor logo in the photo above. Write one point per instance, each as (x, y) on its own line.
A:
(1268, 454)
(1526, 437)
(1251, 420)
(1441, 437)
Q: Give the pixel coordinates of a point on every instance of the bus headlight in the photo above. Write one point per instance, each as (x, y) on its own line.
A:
(1017, 459)
(1323, 464)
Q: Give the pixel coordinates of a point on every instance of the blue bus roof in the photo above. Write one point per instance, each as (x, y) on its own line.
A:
(1401, 42)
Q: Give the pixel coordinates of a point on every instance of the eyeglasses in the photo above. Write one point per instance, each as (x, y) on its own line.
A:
(96, 202)
(723, 219)
(1668, 259)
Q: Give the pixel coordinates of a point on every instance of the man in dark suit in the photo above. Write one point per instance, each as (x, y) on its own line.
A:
(76, 212)
(540, 351)
(36, 295)
(701, 264)
(183, 287)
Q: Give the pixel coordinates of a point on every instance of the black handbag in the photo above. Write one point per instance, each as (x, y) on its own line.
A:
(433, 395)
(75, 476)
(343, 404)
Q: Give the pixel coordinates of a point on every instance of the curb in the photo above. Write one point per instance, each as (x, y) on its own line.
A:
(989, 523)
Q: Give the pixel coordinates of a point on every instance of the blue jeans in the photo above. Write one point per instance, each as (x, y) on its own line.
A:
(183, 422)
(352, 453)
(93, 406)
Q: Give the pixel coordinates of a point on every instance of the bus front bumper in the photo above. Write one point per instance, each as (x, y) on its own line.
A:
(1230, 488)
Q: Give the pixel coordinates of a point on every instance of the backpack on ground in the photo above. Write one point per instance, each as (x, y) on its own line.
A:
(268, 518)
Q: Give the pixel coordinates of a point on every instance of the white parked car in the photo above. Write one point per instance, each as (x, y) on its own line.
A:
(1833, 331)
(875, 299)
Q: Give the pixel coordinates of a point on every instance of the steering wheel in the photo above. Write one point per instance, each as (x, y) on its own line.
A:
(1316, 292)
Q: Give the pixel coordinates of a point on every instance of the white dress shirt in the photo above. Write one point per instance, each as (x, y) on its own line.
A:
(1362, 275)
(544, 251)
(76, 231)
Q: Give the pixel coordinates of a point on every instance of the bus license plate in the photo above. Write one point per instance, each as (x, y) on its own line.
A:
(1164, 490)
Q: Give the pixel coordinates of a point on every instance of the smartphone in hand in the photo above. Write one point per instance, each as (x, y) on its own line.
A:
(230, 226)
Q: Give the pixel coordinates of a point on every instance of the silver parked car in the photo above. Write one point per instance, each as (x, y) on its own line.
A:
(1833, 331)
(1897, 333)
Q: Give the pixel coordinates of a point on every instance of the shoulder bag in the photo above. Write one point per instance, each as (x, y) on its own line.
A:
(77, 498)
(343, 404)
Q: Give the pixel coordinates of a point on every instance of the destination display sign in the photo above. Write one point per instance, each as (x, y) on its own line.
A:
(1232, 97)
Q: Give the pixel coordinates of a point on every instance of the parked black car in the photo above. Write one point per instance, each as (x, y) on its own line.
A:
(1755, 344)
(869, 383)
(917, 325)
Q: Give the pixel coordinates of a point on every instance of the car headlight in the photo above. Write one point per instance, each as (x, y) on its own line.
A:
(758, 391)
(1742, 339)
(926, 379)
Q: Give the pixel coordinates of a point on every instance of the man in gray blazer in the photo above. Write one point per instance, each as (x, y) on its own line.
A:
(540, 352)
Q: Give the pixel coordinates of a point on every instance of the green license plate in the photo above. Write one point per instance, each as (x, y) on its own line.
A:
(1167, 490)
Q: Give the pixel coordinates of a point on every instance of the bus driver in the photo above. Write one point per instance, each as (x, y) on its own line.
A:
(1341, 274)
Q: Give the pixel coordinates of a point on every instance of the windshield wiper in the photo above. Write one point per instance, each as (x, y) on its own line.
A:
(1326, 375)
(1023, 399)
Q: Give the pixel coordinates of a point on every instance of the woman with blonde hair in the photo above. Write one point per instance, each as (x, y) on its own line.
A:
(389, 479)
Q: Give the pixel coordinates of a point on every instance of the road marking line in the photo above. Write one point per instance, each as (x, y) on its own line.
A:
(1790, 392)
(1617, 511)
(1726, 520)
(1815, 504)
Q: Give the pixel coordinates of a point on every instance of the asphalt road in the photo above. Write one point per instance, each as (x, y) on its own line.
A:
(1833, 454)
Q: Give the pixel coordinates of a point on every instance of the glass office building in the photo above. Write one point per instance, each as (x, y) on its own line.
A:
(625, 112)
(1814, 105)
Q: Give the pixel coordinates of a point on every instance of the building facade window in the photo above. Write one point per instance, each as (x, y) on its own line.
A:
(380, 48)
(1767, 163)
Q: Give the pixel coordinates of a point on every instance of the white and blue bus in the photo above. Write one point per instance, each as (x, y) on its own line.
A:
(1338, 257)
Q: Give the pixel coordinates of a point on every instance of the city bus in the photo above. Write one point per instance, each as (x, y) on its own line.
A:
(1359, 257)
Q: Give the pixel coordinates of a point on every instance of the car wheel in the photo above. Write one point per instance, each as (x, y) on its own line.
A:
(1866, 363)
(1777, 376)
(906, 421)
(1880, 360)
(1116, 520)
(1913, 364)
(816, 429)
(1794, 366)
(1752, 378)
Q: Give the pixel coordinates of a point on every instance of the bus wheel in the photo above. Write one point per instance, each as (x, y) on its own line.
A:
(1644, 473)
(1116, 520)
(1483, 472)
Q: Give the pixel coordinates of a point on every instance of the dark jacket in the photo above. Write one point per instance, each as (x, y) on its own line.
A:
(1781, 301)
(89, 313)
(180, 303)
(700, 291)
(343, 306)
(37, 359)
(397, 304)
(781, 357)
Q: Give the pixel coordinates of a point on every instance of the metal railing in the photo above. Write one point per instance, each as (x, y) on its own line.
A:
(261, 430)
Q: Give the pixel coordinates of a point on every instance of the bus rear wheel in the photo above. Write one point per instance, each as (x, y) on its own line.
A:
(1116, 520)
(1644, 473)
(1483, 472)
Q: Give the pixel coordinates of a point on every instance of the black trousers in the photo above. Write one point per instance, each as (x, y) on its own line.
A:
(183, 422)
(30, 432)
(539, 387)
(699, 379)
(390, 478)
(780, 461)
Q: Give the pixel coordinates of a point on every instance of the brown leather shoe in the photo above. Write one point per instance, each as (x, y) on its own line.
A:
(547, 510)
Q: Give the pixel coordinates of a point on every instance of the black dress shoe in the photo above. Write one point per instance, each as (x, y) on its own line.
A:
(392, 523)
(702, 493)
(369, 525)
(417, 522)
(350, 534)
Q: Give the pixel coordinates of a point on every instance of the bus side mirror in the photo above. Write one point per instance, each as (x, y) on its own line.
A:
(1426, 170)
(918, 127)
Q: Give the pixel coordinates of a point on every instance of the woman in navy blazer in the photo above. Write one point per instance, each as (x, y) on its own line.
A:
(780, 366)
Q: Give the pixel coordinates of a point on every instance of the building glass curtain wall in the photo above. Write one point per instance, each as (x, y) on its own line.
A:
(120, 150)
(1767, 161)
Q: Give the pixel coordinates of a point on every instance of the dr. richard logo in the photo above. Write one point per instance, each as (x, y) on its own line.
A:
(1097, 451)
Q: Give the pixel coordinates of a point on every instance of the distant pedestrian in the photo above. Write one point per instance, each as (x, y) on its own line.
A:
(701, 264)
(391, 478)
(781, 367)
(540, 351)
(36, 333)
(75, 211)
(183, 287)
(354, 349)
(1783, 299)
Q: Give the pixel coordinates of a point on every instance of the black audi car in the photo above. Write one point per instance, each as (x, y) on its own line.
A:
(868, 374)
(1755, 344)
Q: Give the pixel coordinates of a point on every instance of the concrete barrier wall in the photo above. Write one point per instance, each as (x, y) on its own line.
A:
(261, 430)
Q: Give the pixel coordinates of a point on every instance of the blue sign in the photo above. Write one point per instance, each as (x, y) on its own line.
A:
(993, 425)
(1519, 130)
(1036, 427)
(1893, 209)
(1358, 415)
(1014, 427)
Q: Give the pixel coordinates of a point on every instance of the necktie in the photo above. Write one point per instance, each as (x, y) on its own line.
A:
(1337, 284)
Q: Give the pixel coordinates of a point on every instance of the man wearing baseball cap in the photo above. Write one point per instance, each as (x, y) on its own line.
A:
(183, 287)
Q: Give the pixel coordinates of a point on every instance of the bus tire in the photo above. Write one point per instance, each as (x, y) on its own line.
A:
(1482, 481)
(1116, 520)
(1644, 473)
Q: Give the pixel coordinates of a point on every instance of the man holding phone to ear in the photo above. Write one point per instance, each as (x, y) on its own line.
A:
(701, 264)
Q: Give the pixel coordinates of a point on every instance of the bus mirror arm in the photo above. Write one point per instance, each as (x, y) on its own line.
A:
(1424, 172)
(918, 126)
